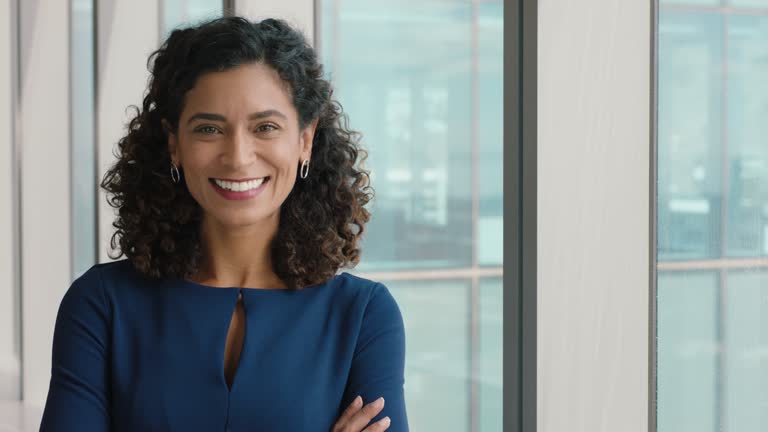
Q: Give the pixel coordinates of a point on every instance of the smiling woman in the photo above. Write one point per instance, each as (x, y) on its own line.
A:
(239, 126)
(240, 196)
(235, 100)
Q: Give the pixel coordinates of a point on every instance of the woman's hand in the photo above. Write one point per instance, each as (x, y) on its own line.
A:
(355, 418)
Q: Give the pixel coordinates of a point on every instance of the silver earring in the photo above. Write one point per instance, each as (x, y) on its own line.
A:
(175, 173)
(304, 168)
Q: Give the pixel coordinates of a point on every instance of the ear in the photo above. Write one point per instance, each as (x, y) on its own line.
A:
(307, 138)
(173, 142)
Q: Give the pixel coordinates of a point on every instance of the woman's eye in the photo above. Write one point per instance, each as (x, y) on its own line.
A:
(207, 130)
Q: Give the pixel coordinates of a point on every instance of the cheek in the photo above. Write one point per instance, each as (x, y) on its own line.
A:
(287, 168)
(199, 161)
(287, 159)
(196, 168)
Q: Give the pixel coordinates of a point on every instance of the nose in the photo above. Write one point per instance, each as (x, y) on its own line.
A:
(239, 150)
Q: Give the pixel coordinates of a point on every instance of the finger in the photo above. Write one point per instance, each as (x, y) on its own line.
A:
(353, 407)
(379, 426)
(361, 418)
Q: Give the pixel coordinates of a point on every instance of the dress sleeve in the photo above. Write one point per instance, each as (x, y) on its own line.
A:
(78, 394)
(378, 364)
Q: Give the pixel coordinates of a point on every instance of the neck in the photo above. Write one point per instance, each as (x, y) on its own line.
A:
(238, 256)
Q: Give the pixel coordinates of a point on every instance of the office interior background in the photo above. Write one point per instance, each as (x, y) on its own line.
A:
(423, 81)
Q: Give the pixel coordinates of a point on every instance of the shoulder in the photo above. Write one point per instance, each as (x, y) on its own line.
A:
(379, 322)
(85, 296)
(103, 272)
(96, 285)
(88, 284)
(380, 311)
(374, 294)
(111, 269)
(121, 278)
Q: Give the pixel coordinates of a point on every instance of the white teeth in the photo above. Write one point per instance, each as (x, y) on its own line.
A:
(241, 186)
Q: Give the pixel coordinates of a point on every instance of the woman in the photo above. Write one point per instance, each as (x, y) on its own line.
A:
(238, 200)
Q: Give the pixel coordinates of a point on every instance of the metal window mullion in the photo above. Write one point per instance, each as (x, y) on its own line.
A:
(95, 126)
(653, 224)
(719, 9)
(715, 264)
(228, 7)
(317, 20)
(71, 144)
(721, 414)
(16, 155)
(160, 20)
(474, 354)
(335, 44)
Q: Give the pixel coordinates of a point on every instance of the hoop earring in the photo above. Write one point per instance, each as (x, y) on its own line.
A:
(175, 176)
(304, 168)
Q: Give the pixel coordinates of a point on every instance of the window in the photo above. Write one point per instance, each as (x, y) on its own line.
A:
(712, 216)
(422, 81)
(83, 175)
(176, 13)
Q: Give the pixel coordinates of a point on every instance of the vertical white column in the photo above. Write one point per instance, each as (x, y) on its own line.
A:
(593, 215)
(10, 367)
(44, 130)
(127, 32)
(299, 13)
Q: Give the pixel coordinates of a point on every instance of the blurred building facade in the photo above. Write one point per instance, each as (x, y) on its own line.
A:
(713, 216)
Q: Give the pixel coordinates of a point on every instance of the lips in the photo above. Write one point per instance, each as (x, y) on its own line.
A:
(239, 185)
(239, 190)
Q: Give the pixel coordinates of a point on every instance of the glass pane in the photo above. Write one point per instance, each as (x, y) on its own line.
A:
(490, 132)
(747, 136)
(691, 2)
(750, 3)
(436, 317)
(84, 177)
(402, 71)
(688, 352)
(179, 12)
(491, 354)
(746, 345)
(722, 388)
(408, 78)
(689, 147)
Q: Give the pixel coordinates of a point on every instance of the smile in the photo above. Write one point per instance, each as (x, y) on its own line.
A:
(239, 190)
(240, 186)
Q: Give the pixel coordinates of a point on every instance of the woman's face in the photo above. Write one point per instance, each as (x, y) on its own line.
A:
(239, 144)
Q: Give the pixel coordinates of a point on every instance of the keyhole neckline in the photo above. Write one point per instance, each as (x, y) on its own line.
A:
(256, 290)
(230, 384)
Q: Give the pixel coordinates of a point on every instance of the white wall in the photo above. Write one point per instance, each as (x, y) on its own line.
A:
(593, 215)
(121, 81)
(10, 381)
(44, 131)
(45, 183)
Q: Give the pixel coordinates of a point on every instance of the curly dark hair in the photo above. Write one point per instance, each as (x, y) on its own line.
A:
(322, 219)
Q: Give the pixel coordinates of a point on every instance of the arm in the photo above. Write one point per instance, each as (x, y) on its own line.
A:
(378, 363)
(78, 395)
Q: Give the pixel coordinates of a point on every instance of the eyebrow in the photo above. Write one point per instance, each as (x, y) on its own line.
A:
(221, 118)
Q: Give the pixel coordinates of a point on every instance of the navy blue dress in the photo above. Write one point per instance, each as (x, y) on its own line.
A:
(134, 354)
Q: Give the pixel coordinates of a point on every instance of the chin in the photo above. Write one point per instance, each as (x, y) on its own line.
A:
(240, 218)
